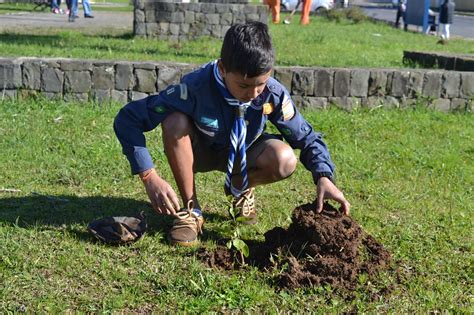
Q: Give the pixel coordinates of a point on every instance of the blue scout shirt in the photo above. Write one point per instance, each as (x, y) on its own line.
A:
(198, 97)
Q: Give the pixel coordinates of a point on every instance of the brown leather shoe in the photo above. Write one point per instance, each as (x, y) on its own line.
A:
(245, 206)
(186, 227)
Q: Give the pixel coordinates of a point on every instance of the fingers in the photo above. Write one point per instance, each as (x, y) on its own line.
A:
(319, 202)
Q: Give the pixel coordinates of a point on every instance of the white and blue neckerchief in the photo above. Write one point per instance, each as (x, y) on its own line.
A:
(237, 136)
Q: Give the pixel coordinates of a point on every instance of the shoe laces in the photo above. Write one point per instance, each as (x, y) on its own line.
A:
(246, 202)
(187, 218)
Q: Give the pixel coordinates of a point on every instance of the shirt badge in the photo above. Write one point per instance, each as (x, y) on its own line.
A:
(267, 108)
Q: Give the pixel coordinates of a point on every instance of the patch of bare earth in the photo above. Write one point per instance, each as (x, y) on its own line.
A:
(317, 249)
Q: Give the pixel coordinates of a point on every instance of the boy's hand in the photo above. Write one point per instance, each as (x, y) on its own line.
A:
(162, 196)
(327, 190)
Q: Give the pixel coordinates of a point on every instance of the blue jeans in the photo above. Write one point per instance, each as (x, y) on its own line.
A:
(55, 4)
(85, 5)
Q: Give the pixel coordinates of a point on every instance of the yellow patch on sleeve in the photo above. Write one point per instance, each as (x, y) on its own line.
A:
(287, 109)
(268, 108)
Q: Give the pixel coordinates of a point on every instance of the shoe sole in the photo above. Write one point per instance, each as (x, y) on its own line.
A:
(183, 243)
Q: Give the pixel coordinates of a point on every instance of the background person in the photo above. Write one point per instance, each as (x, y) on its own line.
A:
(446, 14)
(305, 12)
(275, 7)
(401, 13)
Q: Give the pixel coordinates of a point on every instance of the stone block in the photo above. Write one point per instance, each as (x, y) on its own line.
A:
(467, 84)
(208, 7)
(177, 17)
(432, 84)
(250, 9)
(139, 29)
(124, 76)
(252, 17)
(184, 28)
(377, 83)
(212, 19)
(342, 81)
(151, 16)
(226, 18)
(346, 103)
(152, 29)
(76, 97)
(139, 4)
(459, 104)
(139, 16)
(164, 27)
(313, 103)
(77, 81)
(415, 84)
(451, 84)
(221, 8)
(372, 102)
(8, 94)
(52, 95)
(52, 80)
(302, 82)
(391, 102)
(120, 96)
(145, 65)
(359, 82)
(167, 76)
(162, 16)
(284, 76)
(134, 95)
(323, 82)
(103, 78)
(101, 96)
(31, 75)
(174, 29)
(441, 104)
(400, 83)
(189, 17)
(76, 65)
(239, 18)
(10, 75)
(145, 80)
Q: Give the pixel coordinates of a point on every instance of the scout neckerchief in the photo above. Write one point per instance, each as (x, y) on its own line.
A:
(237, 136)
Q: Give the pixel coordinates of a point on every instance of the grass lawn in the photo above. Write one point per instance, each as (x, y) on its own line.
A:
(408, 174)
(323, 43)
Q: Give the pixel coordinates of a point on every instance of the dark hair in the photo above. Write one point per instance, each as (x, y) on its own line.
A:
(247, 49)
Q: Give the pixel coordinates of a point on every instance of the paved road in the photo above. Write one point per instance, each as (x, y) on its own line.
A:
(462, 25)
(102, 20)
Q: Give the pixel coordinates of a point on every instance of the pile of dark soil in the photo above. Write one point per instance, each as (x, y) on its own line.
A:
(316, 249)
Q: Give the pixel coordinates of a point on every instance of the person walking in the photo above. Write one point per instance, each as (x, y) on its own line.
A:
(274, 6)
(305, 12)
(401, 13)
(446, 13)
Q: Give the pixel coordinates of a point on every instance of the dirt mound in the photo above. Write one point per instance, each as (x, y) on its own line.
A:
(316, 249)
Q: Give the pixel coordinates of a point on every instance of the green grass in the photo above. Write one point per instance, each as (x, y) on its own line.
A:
(408, 174)
(113, 6)
(322, 43)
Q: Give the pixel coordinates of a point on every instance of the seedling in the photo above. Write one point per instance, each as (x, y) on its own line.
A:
(236, 241)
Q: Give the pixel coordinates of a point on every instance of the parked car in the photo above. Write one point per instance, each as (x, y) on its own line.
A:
(317, 6)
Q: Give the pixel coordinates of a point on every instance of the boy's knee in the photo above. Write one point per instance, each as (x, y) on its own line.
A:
(287, 163)
(176, 124)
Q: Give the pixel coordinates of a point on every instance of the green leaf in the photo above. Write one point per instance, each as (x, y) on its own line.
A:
(229, 244)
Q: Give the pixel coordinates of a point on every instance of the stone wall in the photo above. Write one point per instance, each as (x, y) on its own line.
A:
(102, 81)
(182, 21)
(447, 61)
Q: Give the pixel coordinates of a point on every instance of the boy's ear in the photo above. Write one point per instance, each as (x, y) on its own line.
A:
(221, 68)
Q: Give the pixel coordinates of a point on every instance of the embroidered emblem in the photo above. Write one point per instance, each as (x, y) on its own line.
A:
(286, 132)
(170, 90)
(287, 108)
(267, 108)
(210, 122)
(160, 109)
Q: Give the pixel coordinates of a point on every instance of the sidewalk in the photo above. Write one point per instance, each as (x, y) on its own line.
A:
(35, 20)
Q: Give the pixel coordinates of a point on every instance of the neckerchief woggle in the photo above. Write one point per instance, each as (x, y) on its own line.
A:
(237, 136)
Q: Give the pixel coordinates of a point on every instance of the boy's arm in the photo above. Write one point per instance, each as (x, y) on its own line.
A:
(314, 153)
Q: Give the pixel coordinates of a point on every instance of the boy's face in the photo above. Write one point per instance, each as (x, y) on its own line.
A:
(244, 88)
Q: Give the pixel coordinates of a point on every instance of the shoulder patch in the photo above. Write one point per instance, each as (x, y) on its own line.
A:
(287, 108)
(170, 90)
(183, 88)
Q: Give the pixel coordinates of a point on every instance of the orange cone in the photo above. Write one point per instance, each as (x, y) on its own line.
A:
(305, 12)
